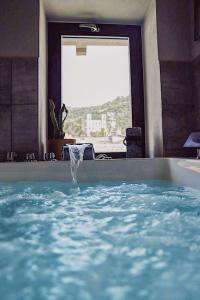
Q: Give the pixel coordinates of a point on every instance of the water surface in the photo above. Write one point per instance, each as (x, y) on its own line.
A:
(105, 241)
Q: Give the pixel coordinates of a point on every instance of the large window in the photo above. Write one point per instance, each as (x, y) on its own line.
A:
(98, 75)
(96, 90)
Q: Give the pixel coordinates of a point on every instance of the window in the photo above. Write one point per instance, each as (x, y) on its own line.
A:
(100, 106)
(96, 90)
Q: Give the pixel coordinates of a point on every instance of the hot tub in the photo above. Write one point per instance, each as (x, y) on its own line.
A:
(128, 230)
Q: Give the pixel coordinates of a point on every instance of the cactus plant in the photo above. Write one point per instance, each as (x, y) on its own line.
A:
(58, 124)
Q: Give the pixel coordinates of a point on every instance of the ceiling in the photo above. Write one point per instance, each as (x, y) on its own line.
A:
(99, 11)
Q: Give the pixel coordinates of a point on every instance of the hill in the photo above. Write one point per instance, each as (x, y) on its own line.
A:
(120, 108)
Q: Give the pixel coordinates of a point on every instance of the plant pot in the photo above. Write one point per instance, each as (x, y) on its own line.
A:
(55, 145)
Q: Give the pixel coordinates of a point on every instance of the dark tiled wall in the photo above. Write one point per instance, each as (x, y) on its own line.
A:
(178, 106)
(18, 105)
(196, 69)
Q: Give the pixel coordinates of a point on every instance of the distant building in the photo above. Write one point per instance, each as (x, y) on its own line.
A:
(92, 126)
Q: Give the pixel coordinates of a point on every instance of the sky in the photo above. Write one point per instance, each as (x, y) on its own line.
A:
(100, 76)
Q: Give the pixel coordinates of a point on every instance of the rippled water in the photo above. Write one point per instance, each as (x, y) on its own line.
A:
(119, 241)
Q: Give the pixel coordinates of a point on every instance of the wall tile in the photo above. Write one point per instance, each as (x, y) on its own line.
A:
(25, 81)
(196, 69)
(178, 108)
(5, 81)
(5, 128)
(182, 95)
(25, 128)
(176, 73)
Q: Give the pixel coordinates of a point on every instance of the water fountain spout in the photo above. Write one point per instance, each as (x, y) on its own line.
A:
(76, 153)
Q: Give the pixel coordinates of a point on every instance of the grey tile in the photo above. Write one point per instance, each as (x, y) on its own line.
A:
(184, 152)
(25, 128)
(196, 68)
(25, 81)
(178, 95)
(178, 106)
(197, 75)
(178, 111)
(176, 73)
(178, 122)
(5, 128)
(3, 156)
(5, 81)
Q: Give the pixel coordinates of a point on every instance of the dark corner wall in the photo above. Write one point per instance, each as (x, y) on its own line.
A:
(18, 105)
(19, 75)
(179, 58)
(23, 98)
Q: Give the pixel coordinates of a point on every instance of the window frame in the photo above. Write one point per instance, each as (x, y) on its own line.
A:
(133, 32)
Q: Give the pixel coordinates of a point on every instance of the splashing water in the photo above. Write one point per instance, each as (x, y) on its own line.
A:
(112, 241)
(76, 153)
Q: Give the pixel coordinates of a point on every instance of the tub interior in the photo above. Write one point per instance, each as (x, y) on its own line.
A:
(108, 240)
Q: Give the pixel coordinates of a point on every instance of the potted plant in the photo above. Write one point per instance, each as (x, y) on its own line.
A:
(58, 141)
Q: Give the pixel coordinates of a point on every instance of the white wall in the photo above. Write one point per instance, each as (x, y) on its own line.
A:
(42, 84)
(152, 86)
(19, 28)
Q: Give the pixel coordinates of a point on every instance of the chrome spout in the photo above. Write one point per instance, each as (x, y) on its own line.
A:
(93, 27)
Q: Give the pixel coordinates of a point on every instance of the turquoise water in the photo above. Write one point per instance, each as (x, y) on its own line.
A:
(105, 241)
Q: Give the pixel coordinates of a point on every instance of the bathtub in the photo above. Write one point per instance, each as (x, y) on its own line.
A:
(178, 170)
(100, 239)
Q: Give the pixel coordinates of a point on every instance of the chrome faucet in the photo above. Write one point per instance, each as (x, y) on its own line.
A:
(11, 156)
(92, 27)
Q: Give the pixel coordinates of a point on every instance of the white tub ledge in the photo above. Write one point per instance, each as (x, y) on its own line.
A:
(181, 171)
